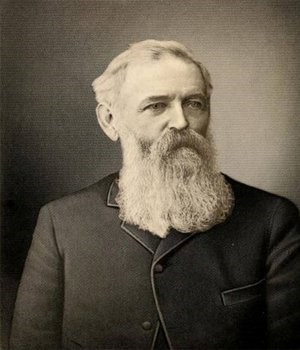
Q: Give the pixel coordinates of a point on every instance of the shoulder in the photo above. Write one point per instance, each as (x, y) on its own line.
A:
(82, 215)
(86, 198)
(259, 204)
(253, 195)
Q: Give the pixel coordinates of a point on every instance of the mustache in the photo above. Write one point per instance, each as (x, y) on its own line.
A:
(174, 139)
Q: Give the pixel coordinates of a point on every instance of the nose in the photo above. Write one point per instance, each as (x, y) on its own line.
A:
(177, 118)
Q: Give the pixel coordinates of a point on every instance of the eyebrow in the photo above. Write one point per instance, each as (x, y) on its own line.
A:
(156, 98)
(197, 95)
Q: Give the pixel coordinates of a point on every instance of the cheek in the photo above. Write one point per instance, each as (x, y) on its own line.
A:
(147, 128)
(199, 124)
(153, 126)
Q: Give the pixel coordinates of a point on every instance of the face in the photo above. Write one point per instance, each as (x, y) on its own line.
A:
(163, 94)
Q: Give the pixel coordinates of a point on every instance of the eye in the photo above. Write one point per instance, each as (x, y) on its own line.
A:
(195, 105)
(156, 106)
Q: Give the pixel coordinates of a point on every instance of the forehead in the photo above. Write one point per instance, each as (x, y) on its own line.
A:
(167, 75)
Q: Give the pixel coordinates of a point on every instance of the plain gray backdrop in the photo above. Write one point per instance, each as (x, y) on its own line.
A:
(52, 51)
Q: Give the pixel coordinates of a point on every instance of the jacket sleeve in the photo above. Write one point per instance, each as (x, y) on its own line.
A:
(37, 319)
(283, 278)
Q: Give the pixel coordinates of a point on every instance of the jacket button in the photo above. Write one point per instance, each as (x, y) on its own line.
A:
(147, 325)
(158, 268)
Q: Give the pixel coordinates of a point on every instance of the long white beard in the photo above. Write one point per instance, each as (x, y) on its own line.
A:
(172, 183)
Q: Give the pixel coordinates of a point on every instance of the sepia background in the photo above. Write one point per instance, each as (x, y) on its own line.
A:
(52, 51)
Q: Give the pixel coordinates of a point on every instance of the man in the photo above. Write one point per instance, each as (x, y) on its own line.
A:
(169, 253)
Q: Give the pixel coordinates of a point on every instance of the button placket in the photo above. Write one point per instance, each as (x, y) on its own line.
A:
(156, 269)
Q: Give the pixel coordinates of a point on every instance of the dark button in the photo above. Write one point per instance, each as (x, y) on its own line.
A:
(147, 325)
(158, 268)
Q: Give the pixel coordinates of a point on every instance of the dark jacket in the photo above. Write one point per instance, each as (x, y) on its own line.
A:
(92, 281)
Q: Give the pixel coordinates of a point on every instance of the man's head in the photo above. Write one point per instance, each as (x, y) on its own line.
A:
(150, 79)
(155, 98)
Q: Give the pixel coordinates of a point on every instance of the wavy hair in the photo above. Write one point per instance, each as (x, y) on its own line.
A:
(107, 86)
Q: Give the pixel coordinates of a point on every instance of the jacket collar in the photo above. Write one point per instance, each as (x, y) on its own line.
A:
(153, 244)
(112, 194)
(173, 240)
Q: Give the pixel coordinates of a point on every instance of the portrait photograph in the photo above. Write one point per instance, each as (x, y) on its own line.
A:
(150, 165)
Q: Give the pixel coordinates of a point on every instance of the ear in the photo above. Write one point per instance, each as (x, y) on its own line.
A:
(106, 121)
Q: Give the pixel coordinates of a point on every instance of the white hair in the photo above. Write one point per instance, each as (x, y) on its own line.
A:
(174, 184)
(107, 86)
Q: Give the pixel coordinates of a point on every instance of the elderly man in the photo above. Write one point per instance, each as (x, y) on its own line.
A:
(169, 253)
